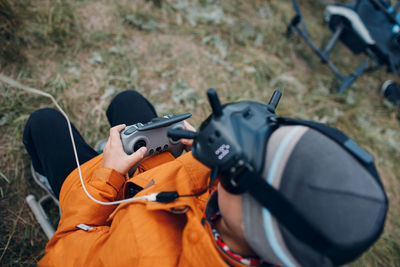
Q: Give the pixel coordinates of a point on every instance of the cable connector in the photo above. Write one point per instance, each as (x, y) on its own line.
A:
(167, 197)
(152, 197)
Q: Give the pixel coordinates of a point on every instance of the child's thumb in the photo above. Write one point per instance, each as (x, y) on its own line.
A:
(138, 155)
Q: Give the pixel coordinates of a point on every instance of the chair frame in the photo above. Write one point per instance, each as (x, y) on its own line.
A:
(298, 25)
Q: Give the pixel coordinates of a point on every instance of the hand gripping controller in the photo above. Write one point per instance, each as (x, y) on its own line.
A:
(153, 135)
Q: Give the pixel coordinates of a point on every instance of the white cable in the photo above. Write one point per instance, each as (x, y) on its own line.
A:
(13, 83)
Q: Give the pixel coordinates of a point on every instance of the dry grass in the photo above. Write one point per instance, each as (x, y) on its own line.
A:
(85, 52)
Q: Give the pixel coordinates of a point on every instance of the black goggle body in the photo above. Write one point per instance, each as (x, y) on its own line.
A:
(234, 136)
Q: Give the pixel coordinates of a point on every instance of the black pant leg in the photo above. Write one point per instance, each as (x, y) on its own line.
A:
(130, 107)
(47, 140)
(46, 136)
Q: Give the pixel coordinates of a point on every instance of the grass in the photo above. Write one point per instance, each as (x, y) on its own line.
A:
(85, 52)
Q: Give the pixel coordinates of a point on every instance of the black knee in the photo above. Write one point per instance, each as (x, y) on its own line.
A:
(129, 95)
(45, 115)
(130, 107)
(44, 118)
(40, 120)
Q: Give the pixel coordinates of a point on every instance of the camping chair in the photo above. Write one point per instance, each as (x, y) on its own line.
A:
(364, 26)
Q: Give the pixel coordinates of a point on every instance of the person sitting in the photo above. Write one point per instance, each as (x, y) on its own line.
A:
(336, 193)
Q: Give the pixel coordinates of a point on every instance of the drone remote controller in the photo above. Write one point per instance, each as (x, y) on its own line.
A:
(153, 135)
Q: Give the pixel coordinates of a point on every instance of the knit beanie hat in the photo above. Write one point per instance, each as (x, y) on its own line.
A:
(328, 186)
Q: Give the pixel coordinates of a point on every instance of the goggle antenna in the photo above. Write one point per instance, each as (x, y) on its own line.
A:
(214, 102)
(274, 101)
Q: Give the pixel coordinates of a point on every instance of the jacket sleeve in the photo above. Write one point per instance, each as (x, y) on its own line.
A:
(103, 184)
(77, 208)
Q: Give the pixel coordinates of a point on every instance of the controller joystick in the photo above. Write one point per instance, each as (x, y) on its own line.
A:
(139, 144)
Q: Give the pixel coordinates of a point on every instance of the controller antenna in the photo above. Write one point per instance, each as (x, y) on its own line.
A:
(177, 134)
(214, 102)
(274, 101)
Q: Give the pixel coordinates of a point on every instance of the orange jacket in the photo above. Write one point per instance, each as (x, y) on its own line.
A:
(138, 233)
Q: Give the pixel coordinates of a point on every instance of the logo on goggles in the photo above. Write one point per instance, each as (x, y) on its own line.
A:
(222, 151)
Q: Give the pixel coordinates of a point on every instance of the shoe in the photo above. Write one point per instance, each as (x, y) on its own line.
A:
(391, 92)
